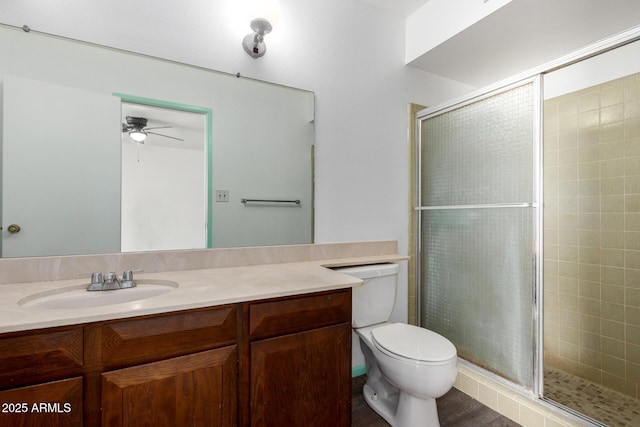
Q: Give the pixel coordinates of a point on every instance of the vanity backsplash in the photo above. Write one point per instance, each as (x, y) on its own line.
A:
(36, 269)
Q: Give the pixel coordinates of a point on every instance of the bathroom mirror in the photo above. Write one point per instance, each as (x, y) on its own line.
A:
(62, 111)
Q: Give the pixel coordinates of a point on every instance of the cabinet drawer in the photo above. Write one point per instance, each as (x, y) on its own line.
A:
(57, 403)
(40, 356)
(154, 338)
(287, 315)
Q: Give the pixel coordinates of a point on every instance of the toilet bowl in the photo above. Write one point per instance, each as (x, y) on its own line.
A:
(407, 367)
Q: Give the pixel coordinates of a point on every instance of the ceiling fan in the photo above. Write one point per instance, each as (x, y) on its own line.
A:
(137, 129)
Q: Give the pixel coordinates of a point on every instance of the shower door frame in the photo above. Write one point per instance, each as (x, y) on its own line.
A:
(535, 75)
(536, 82)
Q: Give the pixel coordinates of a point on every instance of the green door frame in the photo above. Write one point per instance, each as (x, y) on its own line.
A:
(208, 144)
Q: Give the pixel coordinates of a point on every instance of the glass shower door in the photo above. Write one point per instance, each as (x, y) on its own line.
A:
(478, 228)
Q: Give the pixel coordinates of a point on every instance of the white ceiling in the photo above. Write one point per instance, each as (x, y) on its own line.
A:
(525, 34)
(403, 7)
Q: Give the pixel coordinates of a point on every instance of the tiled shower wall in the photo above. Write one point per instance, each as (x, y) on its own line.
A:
(592, 234)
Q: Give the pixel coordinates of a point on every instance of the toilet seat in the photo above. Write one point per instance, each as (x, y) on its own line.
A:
(403, 341)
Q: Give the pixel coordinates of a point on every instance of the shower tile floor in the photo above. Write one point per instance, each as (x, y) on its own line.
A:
(599, 403)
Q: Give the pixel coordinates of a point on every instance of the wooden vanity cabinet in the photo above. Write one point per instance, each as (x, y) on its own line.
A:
(124, 372)
(38, 356)
(52, 404)
(300, 361)
(41, 378)
(277, 362)
(167, 370)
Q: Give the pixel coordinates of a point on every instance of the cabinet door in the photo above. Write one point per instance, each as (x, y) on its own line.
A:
(195, 390)
(54, 404)
(302, 379)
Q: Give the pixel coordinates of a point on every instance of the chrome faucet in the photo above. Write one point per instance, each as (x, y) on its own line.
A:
(110, 281)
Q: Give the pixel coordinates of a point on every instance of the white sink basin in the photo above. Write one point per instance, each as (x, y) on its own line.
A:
(79, 297)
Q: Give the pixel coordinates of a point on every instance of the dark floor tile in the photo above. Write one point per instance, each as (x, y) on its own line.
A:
(455, 409)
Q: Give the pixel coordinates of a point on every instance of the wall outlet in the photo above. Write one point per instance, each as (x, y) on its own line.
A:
(222, 195)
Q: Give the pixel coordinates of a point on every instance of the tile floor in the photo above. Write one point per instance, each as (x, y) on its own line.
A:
(455, 409)
(603, 405)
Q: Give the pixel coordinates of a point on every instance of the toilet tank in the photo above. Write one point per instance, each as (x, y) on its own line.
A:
(372, 302)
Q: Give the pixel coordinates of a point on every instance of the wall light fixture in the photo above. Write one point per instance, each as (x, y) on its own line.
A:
(263, 15)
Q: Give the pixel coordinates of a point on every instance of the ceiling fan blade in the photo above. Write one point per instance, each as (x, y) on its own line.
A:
(165, 136)
(158, 127)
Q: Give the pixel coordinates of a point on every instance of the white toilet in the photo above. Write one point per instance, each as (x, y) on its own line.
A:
(408, 367)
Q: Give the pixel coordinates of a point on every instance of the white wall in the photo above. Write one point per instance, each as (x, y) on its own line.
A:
(349, 53)
(163, 197)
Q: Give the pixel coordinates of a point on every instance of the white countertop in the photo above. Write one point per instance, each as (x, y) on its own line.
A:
(197, 288)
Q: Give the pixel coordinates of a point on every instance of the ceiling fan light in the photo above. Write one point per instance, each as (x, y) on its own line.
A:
(138, 135)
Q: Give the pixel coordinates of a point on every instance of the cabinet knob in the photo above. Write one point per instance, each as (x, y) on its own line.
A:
(13, 228)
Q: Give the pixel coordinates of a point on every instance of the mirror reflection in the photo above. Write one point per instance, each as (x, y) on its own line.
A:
(75, 182)
(164, 176)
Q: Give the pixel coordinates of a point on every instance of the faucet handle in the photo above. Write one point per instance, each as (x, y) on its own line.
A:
(96, 278)
(97, 281)
(128, 274)
(127, 278)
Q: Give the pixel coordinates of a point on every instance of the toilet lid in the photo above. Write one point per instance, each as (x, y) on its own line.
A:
(413, 342)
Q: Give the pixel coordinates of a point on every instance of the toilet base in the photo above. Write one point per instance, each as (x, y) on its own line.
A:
(413, 411)
(400, 409)
(383, 405)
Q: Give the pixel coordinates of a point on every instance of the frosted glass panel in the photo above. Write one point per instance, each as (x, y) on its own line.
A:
(478, 261)
(479, 286)
(475, 154)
